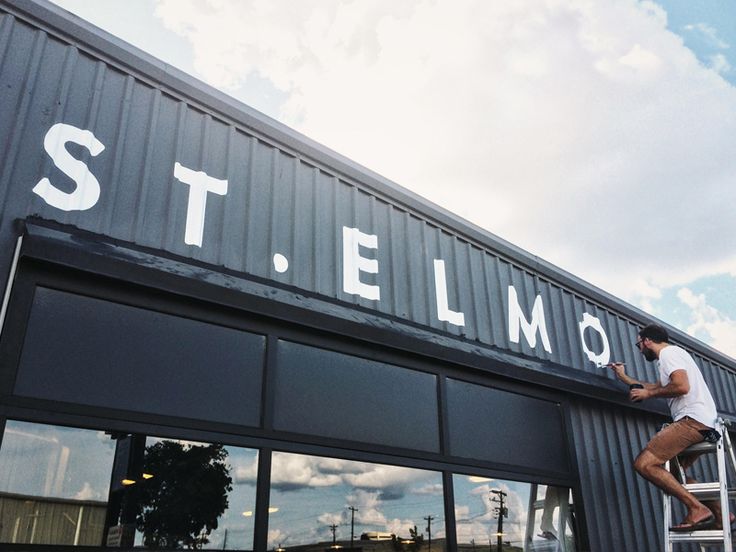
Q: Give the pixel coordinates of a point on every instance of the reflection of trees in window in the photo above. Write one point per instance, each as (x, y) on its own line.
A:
(180, 505)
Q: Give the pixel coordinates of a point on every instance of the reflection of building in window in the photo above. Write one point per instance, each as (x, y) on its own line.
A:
(34, 520)
(51, 488)
(376, 535)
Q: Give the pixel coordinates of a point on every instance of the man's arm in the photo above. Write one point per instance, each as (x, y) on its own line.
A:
(679, 385)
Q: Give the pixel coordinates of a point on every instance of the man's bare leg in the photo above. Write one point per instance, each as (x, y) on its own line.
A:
(713, 505)
(650, 467)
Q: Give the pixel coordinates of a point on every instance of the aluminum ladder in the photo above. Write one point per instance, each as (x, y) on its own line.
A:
(716, 490)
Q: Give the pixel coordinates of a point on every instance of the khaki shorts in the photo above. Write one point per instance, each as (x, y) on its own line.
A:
(675, 437)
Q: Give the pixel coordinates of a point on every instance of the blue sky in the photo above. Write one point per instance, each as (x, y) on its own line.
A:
(597, 135)
(708, 29)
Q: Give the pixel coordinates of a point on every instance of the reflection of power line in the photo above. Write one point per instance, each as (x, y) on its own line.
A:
(429, 531)
(352, 525)
(333, 528)
(502, 513)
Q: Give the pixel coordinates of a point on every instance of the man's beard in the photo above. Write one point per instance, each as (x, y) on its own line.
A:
(649, 355)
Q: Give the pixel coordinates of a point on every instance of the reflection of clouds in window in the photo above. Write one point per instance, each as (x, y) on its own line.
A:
(368, 504)
(234, 529)
(430, 489)
(478, 479)
(384, 477)
(292, 472)
(475, 512)
(276, 537)
(49, 461)
(245, 472)
(88, 493)
(313, 493)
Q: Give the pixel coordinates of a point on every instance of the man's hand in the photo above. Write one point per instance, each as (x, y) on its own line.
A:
(638, 395)
(619, 369)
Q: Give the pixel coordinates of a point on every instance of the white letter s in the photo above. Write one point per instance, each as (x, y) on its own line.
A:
(87, 192)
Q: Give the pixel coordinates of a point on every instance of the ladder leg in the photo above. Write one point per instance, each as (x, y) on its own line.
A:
(667, 515)
(724, 444)
(723, 492)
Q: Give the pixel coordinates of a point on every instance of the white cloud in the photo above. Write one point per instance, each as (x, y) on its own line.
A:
(276, 537)
(709, 33)
(478, 526)
(331, 518)
(582, 131)
(478, 479)
(720, 64)
(435, 489)
(368, 504)
(246, 473)
(576, 129)
(87, 492)
(381, 477)
(295, 471)
(718, 329)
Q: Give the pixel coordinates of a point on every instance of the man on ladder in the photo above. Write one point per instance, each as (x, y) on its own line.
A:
(694, 416)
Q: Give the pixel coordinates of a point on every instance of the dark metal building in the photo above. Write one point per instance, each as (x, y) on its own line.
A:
(209, 317)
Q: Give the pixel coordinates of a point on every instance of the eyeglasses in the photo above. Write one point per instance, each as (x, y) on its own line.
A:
(638, 343)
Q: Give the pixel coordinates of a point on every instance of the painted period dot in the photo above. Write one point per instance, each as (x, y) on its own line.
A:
(280, 263)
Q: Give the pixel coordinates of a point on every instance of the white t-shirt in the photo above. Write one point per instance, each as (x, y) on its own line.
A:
(698, 402)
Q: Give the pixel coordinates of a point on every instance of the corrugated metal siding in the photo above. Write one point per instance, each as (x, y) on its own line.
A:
(623, 511)
(278, 202)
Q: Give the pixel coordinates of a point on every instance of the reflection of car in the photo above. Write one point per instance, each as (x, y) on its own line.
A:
(376, 535)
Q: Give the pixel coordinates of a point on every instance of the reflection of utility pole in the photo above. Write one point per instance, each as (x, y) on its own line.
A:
(333, 528)
(502, 512)
(352, 525)
(429, 532)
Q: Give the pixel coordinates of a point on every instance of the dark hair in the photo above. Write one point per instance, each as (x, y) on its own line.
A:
(655, 332)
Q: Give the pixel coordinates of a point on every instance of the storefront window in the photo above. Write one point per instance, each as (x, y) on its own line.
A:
(327, 502)
(191, 495)
(522, 516)
(54, 484)
(84, 487)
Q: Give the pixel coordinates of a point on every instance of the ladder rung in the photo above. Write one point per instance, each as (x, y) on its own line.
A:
(708, 491)
(709, 535)
(703, 486)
